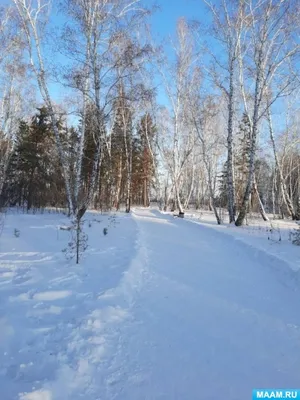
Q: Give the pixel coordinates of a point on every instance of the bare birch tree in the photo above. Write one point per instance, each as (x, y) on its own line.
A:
(33, 18)
(204, 115)
(100, 25)
(105, 52)
(228, 22)
(284, 192)
(178, 137)
(270, 49)
(12, 77)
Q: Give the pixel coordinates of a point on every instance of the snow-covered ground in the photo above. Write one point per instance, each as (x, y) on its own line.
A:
(159, 309)
(273, 237)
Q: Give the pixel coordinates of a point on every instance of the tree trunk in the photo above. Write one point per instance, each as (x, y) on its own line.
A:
(214, 207)
(118, 185)
(212, 200)
(191, 188)
(128, 202)
(285, 195)
(128, 175)
(178, 200)
(4, 164)
(168, 196)
(166, 199)
(297, 215)
(230, 166)
(254, 131)
(273, 194)
(128, 192)
(77, 239)
(260, 204)
(145, 193)
(46, 97)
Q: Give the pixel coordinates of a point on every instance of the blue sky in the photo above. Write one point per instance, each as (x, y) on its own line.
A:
(163, 24)
(164, 20)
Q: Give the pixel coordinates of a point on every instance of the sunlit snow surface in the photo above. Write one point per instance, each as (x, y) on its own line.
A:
(159, 308)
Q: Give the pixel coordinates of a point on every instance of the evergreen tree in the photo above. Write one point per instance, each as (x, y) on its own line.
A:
(241, 161)
(222, 180)
(34, 175)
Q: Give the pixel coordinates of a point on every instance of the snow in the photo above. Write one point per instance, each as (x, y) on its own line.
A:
(272, 237)
(159, 308)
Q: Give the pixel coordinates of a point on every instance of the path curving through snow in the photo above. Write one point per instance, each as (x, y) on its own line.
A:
(159, 309)
(212, 321)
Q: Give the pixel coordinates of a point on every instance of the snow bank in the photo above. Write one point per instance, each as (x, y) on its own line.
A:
(59, 321)
(271, 239)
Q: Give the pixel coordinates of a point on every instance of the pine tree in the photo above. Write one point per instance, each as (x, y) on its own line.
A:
(241, 162)
(222, 180)
(34, 174)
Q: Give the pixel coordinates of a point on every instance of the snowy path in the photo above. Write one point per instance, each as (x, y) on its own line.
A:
(159, 309)
(212, 319)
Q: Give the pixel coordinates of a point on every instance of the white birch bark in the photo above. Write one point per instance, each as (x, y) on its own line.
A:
(284, 191)
(177, 149)
(191, 186)
(260, 204)
(29, 17)
(128, 158)
(272, 49)
(228, 22)
(12, 77)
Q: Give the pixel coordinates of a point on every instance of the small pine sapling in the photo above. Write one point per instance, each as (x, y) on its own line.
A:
(78, 242)
(17, 233)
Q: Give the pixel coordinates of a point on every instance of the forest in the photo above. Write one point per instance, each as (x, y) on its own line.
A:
(149, 199)
(98, 112)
